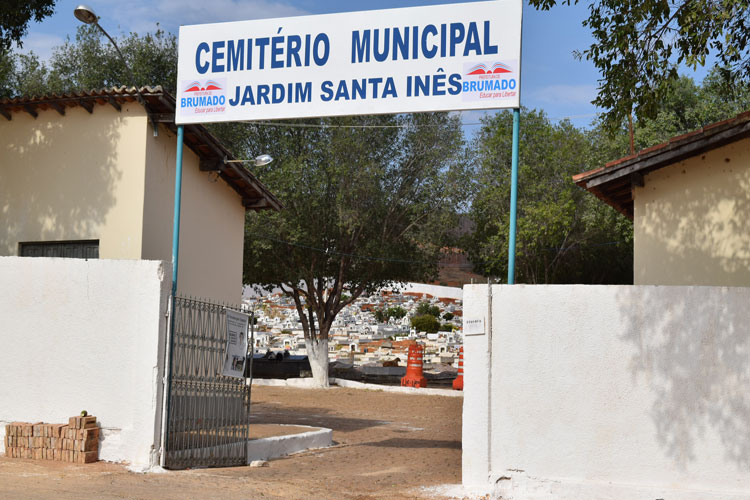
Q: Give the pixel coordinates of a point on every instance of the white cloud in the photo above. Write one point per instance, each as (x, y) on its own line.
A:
(562, 95)
(473, 116)
(142, 16)
(41, 44)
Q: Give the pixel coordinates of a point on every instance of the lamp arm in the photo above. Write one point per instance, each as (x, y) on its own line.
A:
(141, 99)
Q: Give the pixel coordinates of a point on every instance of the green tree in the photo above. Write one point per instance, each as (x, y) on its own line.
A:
(685, 107)
(368, 202)
(15, 16)
(425, 323)
(638, 46)
(383, 315)
(22, 74)
(427, 308)
(91, 62)
(564, 234)
(397, 312)
(380, 316)
(448, 316)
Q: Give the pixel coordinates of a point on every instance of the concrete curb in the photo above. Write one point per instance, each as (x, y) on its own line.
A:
(307, 383)
(300, 383)
(279, 446)
(351, 384)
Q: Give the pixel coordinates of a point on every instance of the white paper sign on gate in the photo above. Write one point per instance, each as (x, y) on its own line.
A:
(236, 351)
(415, 59)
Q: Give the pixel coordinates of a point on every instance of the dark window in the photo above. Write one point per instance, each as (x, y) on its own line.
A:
(84, 249)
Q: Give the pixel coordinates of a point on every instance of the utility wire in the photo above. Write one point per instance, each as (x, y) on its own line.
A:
(342, 254)
(323, 125)
(403, 261)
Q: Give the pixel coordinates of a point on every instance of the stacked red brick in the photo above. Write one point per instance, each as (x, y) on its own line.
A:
(76, 442)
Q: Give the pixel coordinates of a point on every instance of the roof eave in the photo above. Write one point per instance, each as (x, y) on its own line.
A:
(610, 182)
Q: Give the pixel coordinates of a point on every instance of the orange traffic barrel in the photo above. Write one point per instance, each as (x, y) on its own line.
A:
(414, 376)
(458, 383)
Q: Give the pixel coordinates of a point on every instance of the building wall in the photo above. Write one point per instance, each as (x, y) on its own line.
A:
(692, 221)
(82, 177)
(212, 225)
(86, 335)
(618, 392)
(73, 177)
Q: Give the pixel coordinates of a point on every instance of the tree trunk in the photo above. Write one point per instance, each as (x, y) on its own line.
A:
(317, 353)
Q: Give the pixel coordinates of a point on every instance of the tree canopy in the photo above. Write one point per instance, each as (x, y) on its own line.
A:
(369, 201)
(383, 315)
(89, 61)
(564, 234)
(638, 47)
(15, 16)
(425, 323)
(427, 308)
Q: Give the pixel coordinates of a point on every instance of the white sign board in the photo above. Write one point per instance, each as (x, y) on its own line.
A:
(473, 326)
(434, 58)
(234, 358)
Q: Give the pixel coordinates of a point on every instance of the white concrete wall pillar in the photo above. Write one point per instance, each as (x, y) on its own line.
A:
(617, 392)
(476, 418)
(86, 335)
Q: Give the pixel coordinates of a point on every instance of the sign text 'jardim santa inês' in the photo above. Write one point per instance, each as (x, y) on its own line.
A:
(437, 58)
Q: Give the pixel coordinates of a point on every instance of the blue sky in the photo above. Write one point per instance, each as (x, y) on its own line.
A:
(552, 79)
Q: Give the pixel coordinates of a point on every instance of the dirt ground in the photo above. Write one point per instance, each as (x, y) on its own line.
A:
(386, 446)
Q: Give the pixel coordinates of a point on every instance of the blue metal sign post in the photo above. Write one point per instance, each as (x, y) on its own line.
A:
(177, 201)
(513, 198)
(175, 256)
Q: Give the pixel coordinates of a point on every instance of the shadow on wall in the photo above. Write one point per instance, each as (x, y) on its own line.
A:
(693, 351)
(57, 177)
(700, 232)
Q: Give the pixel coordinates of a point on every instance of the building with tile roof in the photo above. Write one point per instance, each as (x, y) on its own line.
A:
(689, 199)
(92, 175)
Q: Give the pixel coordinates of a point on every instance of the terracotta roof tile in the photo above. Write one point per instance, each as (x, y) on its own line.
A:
(660, 155)
(619, 160)
(655, 147)
(582, 175)
(684, 136)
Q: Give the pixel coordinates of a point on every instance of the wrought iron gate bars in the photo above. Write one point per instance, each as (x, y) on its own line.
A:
(209, 413)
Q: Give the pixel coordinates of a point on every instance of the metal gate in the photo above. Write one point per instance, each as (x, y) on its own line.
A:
(208, 412)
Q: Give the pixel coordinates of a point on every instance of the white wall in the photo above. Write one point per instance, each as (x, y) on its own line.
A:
(85, 335)
(442, 292)
(615, 392)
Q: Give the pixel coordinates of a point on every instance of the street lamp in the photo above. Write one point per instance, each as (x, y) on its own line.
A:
(86, 15)
(263, 160)
(258, 161)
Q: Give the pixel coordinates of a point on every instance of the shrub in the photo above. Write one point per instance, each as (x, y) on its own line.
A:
(425, 323)
(425, 308)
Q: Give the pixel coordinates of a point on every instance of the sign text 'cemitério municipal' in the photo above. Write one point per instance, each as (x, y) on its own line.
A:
(437, 58)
